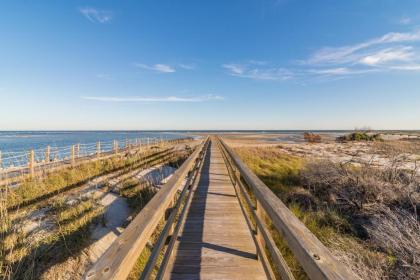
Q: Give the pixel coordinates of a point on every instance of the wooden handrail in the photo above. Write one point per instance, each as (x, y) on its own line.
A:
(276, 257)
(119, 259)
(313, 256)
(168, 230)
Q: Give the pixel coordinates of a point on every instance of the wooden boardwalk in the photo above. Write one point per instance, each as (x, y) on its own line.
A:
(214, 242)
(211, 239)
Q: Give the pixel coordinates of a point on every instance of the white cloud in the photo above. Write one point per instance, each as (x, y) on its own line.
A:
(187, 66)
(346, 54)
(269, 74)
(405, 20)
(234, 69)
(339, 71)
(95, 15)
(394, 51)
(162, 68)
(407, 67)
(388, 55)
(258, 62)
(154, 99)
(251, 72)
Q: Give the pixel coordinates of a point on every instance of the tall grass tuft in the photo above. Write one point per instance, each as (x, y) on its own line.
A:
(367, 216)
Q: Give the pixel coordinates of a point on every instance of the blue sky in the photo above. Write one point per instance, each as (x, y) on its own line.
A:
(239, 64)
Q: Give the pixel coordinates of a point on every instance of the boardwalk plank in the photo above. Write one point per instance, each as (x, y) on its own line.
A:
(215, 242)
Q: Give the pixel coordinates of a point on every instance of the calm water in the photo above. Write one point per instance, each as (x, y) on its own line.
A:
(19, 141)
(26, 140)
(14, 145)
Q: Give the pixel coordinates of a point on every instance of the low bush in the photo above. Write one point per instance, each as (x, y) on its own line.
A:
(312, 137)
(367, 216)
(360, 136)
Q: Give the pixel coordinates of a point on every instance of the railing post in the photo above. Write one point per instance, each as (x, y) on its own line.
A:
(261, 217)
(31, 162)
(47, 154)
(72, 152)
(168, 214)
(98, 148)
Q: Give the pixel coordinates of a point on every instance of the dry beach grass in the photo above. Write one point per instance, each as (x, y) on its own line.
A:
(47, 226)
(367, 215)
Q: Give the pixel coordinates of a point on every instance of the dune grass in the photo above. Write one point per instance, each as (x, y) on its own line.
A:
(56, 248)
(30, 254)
(281, 173)
(32, 190)
(278, 170)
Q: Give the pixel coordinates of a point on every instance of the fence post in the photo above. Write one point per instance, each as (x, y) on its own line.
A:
(115, 146)
(1, 162)
(98, 148)
(72, 152)
(31, 162)
(127, 144)
(47, 154)
(77, 151)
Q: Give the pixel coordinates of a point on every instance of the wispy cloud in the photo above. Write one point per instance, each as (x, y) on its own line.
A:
(234, 69)
(405, 20)
(339, 71)
(353, 53)
(247, 71)
(388, 55)
(103, 76)
(187, 66)
(155, 99)
(95, 15)
(394, 51)
(258, 62)
(162, 68)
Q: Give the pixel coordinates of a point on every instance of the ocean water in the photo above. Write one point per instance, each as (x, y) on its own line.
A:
(15, 145)
(26, 140)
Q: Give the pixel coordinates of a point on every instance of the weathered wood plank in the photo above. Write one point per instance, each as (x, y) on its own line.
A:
(315, 258)
(118, 260)
(215, 241)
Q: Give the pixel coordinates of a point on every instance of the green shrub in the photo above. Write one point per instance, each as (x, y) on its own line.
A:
(360, 136)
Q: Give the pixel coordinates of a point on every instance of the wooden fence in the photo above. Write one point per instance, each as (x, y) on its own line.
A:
(15, 164)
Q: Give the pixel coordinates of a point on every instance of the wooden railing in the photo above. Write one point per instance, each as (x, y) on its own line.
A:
(261, 205)
(169, 204)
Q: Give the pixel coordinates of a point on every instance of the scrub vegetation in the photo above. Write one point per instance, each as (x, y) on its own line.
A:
(360, 136)
(46, 222)
(35, 189)
(367, 216)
